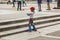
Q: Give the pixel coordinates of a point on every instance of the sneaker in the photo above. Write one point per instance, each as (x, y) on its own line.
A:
(34, 30)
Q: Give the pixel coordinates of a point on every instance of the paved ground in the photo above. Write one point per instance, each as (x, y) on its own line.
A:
(43, 38)
(34, 35)
(12, 13)
(57, 33)
(7, 10)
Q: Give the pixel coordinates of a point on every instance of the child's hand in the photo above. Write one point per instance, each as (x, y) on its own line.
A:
(28, 14)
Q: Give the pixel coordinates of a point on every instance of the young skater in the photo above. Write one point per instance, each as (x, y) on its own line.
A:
(31, 24)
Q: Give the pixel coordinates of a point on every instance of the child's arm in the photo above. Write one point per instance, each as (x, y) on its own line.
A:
(28, 14)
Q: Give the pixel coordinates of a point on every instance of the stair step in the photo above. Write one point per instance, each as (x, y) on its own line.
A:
(23, 23)
(16, 31)
(4, 22)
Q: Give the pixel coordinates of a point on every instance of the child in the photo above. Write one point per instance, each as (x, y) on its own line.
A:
(32, 9)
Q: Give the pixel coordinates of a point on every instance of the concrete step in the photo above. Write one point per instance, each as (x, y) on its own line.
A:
(11, 21)
(23, 23)
(15, 17)
(22, 26)
(37, 22)
(20, 30)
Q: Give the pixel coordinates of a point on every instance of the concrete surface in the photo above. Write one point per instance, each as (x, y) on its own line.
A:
(8, 13)
(43, 38)
(57, 33)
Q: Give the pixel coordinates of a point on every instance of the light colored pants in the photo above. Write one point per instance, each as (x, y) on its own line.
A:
(48, 5)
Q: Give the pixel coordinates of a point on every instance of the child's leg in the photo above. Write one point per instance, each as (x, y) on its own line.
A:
(34, 28)
(30, 21)
(30, 29)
